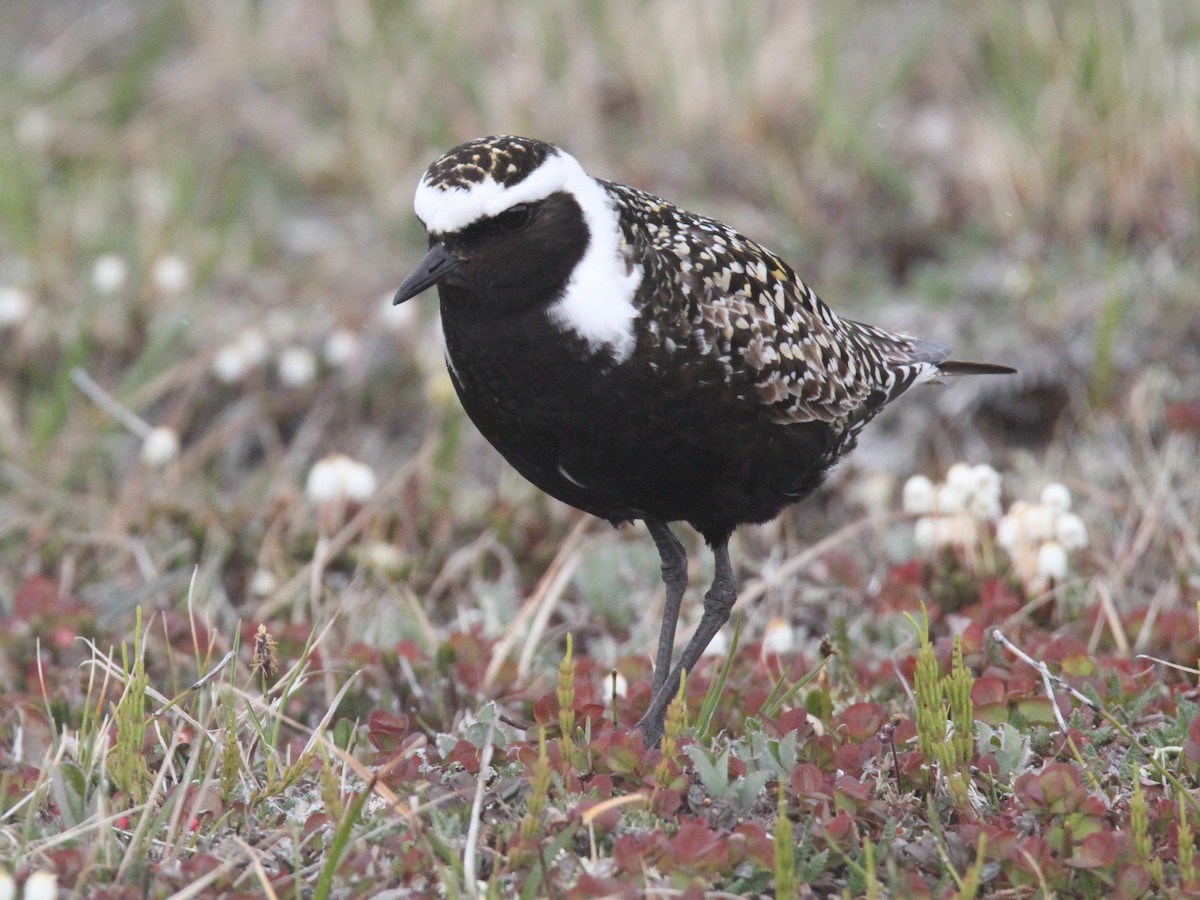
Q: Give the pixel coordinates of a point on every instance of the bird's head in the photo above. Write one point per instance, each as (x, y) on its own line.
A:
(515, 222)
(504, 221)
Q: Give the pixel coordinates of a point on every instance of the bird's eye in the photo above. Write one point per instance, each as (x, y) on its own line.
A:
(514, 217)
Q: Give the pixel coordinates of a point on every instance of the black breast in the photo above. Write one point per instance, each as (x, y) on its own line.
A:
(648, 437)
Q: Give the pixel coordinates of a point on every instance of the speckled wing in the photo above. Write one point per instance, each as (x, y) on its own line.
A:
(735, 301)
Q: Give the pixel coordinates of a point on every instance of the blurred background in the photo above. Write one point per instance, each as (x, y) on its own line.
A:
(205, 206)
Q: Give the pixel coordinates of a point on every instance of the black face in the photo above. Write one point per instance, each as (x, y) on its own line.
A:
(518, 258)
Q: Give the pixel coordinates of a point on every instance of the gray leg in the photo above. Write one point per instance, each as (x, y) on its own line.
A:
(674, 575)
(718, 603)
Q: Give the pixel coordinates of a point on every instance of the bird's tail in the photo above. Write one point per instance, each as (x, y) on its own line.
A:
(936, 352)
(956, 367)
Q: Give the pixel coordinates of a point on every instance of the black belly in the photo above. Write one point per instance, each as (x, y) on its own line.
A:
(663, 437)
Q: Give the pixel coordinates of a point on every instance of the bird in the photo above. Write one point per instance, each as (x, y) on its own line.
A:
(641, 362)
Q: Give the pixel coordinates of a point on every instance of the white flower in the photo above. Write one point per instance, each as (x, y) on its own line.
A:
(262, 583)
(109, 273)
(1056, 497)
(1008, 532)
(985, 506)
(961, 478)
(35, 128)
(615, 685)
(1070, 531)
(297, 367)
(338, 477)
(985, 493)
(951, 498)
(341, 347)
(171, 274)
(160, 446)
(253, 345)
(873, 492)
(779, 638)
(384, 556)
(1037, 522)
(41, 885)
(236, 359)
(918, 495)
(985, 480)
(229, 365)
(718, 646)
(14, 306)
(925, 533)
(1052, 561)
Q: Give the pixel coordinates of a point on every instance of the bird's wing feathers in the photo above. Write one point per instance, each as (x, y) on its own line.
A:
(737, 301)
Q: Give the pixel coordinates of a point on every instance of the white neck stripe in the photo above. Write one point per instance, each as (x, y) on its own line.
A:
(597, 304)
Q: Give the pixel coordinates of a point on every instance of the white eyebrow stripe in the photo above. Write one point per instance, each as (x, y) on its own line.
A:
(597, 303)
(446, 210)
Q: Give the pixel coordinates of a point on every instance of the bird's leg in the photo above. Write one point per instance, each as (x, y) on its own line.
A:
(674, 575)
(717, 605)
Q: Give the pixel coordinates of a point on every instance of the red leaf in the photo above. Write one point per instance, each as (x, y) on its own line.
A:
(795, 720)
(839, 828)
(1057, 789)
(37, 596)
(851, 758)
(465, 754)
(695, 841)
(593, 711)
(386, 730)
(605, 821)
(545, 711)
(1184, 416)
(1133, 881)
(1098, 850)
(589, 885)
(809, 781)
(632, 854)
(861, 721)
(759, 845)
(987, 689)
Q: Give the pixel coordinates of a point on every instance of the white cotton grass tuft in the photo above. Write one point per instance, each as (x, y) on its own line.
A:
(384, 557)
(110, 273)
(160, 446)
(263, 583)
(297, 367)
(15, 306)
(779, 638)
(615, 685)
(171, 274)
(41, 885)
(338, 478)
(234, 361)
(718, 646)
(342, 347)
